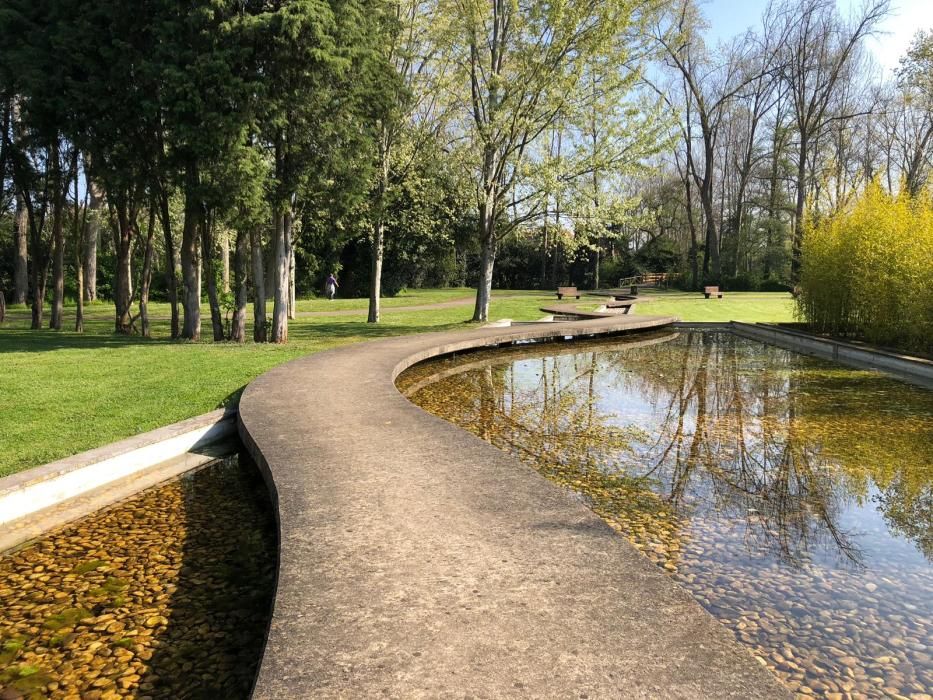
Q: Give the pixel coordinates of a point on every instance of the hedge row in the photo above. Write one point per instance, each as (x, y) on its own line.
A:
(868, 271)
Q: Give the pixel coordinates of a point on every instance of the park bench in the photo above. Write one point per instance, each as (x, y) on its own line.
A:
(710, 291)
(567, 291)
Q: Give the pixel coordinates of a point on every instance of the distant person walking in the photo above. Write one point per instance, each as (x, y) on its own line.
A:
(330, 286)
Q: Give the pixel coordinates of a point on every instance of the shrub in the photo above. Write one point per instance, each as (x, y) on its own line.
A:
(868, 271)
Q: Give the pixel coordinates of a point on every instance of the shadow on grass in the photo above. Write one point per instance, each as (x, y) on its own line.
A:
(99, 335)
(319, 329)
(220, 611)
(24, 340)
(232, 400)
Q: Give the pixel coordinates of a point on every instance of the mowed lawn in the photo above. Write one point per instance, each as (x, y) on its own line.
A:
(65, 392)
(751, 307)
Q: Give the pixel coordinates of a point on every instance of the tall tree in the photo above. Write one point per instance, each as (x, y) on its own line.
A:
(105, 44)
(205, 68)
(32, 70)
(92, 236)
(317, 62)
(712, 84)
(913, 123)
(411, 116)
(521, 64)
(20, 219)
(820, 48)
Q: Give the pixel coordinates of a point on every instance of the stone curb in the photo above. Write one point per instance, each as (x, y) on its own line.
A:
(915, 370)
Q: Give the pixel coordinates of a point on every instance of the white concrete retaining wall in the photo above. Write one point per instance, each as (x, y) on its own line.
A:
(26, 493)
(915, 370)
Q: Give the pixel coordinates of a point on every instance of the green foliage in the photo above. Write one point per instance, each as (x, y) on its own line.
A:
(868, 272)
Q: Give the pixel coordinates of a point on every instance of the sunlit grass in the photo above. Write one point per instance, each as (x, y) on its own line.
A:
(751, 307)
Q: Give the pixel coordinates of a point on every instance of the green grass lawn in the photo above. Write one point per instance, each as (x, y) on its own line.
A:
(413, 297)
(751, 307)
(64, 392)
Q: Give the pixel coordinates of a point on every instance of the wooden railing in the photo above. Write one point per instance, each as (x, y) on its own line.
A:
(649, 279)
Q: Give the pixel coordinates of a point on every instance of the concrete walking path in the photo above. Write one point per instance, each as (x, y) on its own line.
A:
(419, 561)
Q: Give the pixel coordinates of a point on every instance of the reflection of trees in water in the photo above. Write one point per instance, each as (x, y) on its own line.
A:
(774, 442)
(554, 419)
(728, 443)
(909, 512)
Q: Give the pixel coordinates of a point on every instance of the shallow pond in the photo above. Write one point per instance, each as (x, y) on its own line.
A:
(164, 595)
(793, 497)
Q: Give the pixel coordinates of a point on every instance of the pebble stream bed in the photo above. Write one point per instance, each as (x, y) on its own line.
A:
(165, 595)
(791, 496)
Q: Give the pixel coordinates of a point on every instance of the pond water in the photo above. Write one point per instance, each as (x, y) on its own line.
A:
(791, 496)
(165, 595)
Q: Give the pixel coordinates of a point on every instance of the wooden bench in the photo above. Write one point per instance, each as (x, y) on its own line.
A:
(567, 291)
(710, 291)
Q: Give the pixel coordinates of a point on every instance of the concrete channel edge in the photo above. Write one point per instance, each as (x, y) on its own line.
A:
(915, 370)
(36, 499)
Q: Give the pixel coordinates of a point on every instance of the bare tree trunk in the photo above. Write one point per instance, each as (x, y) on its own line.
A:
(596, 270)
(147, 275)
(487, 259)
(375, 282)
(225, 261)
(259, 287)
(712, 234)
(207, 257)
(79, 309)
(291, 271)
(171, 278)
(95, 204)
(123, 291)
(797, 241)
(378, 248)
(484, 288)
(772, 211)
(270, 267)
(78, 229)
(38, 248)
(40, 275)
(280, 278)
(240, 266)
(40, 269)
(58, 262)
(20, 253)
(694, 242)
(544, 250)
(191, 296)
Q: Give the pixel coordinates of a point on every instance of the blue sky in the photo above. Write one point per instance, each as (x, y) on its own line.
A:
(730, 17)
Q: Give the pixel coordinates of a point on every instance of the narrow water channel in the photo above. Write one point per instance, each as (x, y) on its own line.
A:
(165, 595)
(791, 496)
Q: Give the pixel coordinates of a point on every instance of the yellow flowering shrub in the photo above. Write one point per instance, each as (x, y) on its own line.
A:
(868, 271)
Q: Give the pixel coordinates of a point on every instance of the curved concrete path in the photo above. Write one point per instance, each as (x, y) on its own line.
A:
(417, 560)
